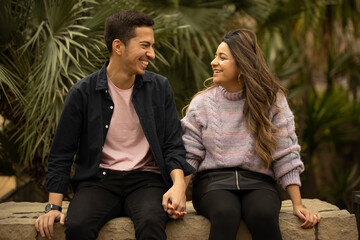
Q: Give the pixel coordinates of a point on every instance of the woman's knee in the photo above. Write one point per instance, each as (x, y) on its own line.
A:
(261, 205)
(220, 204)
(224, 212)
(258, 212)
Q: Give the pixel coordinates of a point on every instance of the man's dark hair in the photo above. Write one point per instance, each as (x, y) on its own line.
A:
(121, 25)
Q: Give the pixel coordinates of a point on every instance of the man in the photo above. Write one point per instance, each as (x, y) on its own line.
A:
(121, 125)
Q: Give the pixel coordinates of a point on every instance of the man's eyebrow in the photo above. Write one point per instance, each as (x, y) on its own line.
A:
(146, 42)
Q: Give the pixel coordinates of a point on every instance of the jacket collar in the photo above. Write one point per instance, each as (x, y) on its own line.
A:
(101, 82)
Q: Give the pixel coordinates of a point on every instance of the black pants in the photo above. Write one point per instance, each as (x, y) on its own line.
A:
(259, 209)
(137, 195)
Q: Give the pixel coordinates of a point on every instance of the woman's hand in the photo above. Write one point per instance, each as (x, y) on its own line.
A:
(309, 218)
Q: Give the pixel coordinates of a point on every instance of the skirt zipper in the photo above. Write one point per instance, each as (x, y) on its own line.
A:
(237, 179)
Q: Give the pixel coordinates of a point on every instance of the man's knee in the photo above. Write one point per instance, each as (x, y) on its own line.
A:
(152, 221)
(79, 231)
(151, 227)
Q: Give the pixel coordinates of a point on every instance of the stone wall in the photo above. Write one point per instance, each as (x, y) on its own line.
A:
(17, 223)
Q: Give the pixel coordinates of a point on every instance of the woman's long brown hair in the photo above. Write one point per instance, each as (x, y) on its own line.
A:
(260, 89)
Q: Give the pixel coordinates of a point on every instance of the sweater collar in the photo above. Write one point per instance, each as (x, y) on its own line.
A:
(233, 96)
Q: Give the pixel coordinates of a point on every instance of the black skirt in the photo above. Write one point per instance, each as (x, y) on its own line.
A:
(235, 179)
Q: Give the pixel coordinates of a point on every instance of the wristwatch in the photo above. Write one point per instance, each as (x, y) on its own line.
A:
(51, 206)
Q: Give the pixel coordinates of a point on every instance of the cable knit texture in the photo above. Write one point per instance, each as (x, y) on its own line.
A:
(216, 136)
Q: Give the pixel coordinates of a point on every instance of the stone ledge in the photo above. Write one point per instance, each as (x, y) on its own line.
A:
(17, 222)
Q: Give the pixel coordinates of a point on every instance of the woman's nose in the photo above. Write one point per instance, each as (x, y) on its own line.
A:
(213, 62)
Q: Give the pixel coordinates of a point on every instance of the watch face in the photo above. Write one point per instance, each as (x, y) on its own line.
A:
(48, 207)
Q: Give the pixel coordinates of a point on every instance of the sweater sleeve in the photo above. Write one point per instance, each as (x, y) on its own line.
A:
(287, 164)
(195, 150)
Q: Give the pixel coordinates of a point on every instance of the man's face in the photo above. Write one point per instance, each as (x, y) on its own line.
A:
(139, 51)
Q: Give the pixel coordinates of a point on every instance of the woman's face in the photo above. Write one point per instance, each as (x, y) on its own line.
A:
(225, 71)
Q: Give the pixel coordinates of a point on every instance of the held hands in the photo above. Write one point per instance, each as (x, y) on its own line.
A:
(174, 201)
(45, 223)
(309, 218)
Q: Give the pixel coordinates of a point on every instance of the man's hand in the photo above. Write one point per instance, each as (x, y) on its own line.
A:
(45, 223)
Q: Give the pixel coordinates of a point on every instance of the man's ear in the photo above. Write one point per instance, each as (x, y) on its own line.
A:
(118, 47)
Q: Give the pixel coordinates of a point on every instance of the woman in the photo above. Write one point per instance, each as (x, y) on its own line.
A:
(239, 134)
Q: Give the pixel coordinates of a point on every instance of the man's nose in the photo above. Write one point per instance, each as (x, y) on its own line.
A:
(151, 54)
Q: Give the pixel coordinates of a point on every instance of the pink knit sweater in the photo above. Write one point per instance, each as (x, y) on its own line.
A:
(216, 136)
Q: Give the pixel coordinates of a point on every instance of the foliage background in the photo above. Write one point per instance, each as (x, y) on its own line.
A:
(312, 46)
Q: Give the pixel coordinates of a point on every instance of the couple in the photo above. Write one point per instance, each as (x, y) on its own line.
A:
(120, 134)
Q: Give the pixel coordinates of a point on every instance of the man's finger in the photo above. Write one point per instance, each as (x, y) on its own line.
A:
(170, 212)
(37, 225)
(170, 206)
(62, 219)
(46, 227)
(41, 227)
(51, 226)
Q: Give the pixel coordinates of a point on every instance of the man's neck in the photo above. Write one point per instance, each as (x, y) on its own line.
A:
(120, 78)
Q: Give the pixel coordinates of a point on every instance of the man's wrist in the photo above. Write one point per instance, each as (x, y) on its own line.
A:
(51, 206)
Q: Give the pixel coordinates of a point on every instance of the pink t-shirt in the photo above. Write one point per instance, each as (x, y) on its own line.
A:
(126, 147)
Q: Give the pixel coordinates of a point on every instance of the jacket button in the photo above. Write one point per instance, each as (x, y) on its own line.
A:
(104, 173)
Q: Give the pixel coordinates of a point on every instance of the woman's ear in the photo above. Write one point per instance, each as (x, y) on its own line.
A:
(239, 73)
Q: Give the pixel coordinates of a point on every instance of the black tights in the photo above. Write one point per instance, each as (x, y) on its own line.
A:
(259, 209)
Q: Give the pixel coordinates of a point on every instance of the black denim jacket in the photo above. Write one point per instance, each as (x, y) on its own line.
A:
(84, 123)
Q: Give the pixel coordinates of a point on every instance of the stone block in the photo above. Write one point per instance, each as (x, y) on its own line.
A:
(17, 223)
(337, 225)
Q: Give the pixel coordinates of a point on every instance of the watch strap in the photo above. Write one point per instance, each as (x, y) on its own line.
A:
(51, 206)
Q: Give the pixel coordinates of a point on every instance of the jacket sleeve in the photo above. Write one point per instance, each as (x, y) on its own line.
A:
(287, 164)
(64, 144)
(195, 150)
(173, 147)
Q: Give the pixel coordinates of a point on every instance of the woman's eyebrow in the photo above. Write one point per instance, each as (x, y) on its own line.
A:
(222, 53)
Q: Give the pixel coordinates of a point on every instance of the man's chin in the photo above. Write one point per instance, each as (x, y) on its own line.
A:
(140, 72)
